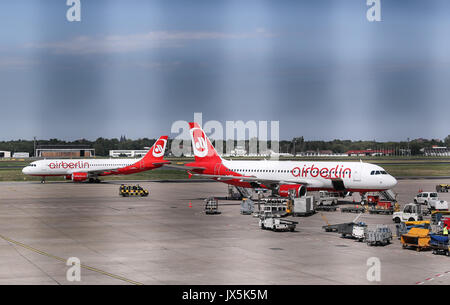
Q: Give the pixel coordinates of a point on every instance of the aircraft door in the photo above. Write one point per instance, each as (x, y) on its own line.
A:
(357, 172)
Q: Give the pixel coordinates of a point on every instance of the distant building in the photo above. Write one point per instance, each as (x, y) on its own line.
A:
(64, 151)
(436, 151)
(320, 153)
(5, 154)
(238, 151)
(370, 152)
(127, 153)
(18, 155)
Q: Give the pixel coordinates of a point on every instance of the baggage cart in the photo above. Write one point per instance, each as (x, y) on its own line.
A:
(380, 210)
(355, 209)
(439, 244)
(381, 235)
(359, 231)
(417, 238)
(277, 224)
(211, 206)
(326, 208)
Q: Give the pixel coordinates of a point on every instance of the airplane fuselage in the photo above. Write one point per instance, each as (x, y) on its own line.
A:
(65, 167)
(353, 176)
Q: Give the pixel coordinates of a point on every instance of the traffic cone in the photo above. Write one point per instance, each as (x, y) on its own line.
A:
(190, 204)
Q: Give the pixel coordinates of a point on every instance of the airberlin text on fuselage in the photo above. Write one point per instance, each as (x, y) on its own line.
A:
(63, 164)
(324, 172)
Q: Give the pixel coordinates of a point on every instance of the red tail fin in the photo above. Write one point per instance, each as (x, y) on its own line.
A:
(203, 149)
(156, 152)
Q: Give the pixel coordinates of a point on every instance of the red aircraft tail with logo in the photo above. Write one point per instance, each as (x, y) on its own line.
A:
(203, 150)
(156, 153)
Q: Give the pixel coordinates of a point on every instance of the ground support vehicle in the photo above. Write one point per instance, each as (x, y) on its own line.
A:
(355, 209)
(247, 206)
(328, 198)
(303, 206)
(379, 210)
(404, 227)
(211, 206)
(417, 238)
(442, 188)
(276, 223)
(439, 244)
(424, 197)
(359, 231)
(335, 227)
(437, 216)
(132, 191)
(411, 212)
(381, 235)
(326, 208)
(437, 205)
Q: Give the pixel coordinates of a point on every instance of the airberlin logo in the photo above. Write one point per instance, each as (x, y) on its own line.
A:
(324, 172)
(79, 164)
(158, 148)
(199, 142)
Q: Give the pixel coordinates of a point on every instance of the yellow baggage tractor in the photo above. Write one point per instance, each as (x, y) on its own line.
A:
(441, 188)
(417, 238)
(132, 191)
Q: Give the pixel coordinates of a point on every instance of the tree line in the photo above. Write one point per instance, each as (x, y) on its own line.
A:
(298, 145)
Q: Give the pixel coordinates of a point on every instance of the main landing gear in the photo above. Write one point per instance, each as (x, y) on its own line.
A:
(94, 180)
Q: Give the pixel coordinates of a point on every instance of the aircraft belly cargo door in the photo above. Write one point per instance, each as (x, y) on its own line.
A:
(357, 172)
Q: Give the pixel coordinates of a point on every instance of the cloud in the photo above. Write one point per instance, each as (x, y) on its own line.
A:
(16, 62)
(138, 42)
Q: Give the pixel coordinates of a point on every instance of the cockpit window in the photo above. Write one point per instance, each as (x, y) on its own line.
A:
(379, 173)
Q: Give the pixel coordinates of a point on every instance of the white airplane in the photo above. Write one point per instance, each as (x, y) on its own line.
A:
(283, 176)
(79, 170)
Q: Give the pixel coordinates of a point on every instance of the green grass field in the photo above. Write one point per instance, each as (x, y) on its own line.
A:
(12, 170)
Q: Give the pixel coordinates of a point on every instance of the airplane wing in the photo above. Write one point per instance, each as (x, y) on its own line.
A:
(180, 165)
(252, 179)
(163, 162)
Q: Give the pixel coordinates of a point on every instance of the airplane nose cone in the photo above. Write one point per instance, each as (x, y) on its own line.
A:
(25, 171)
(393, 182)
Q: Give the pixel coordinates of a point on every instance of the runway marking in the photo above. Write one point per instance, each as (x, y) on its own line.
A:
(118, 277)
(429, 279)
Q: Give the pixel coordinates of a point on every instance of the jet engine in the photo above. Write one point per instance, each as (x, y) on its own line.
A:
(299, 190)
(78, 177)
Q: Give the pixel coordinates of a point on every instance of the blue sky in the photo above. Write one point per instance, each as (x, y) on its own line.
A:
(135, 67)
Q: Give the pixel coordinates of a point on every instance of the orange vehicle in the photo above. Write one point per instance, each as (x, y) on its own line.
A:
(416, 237)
